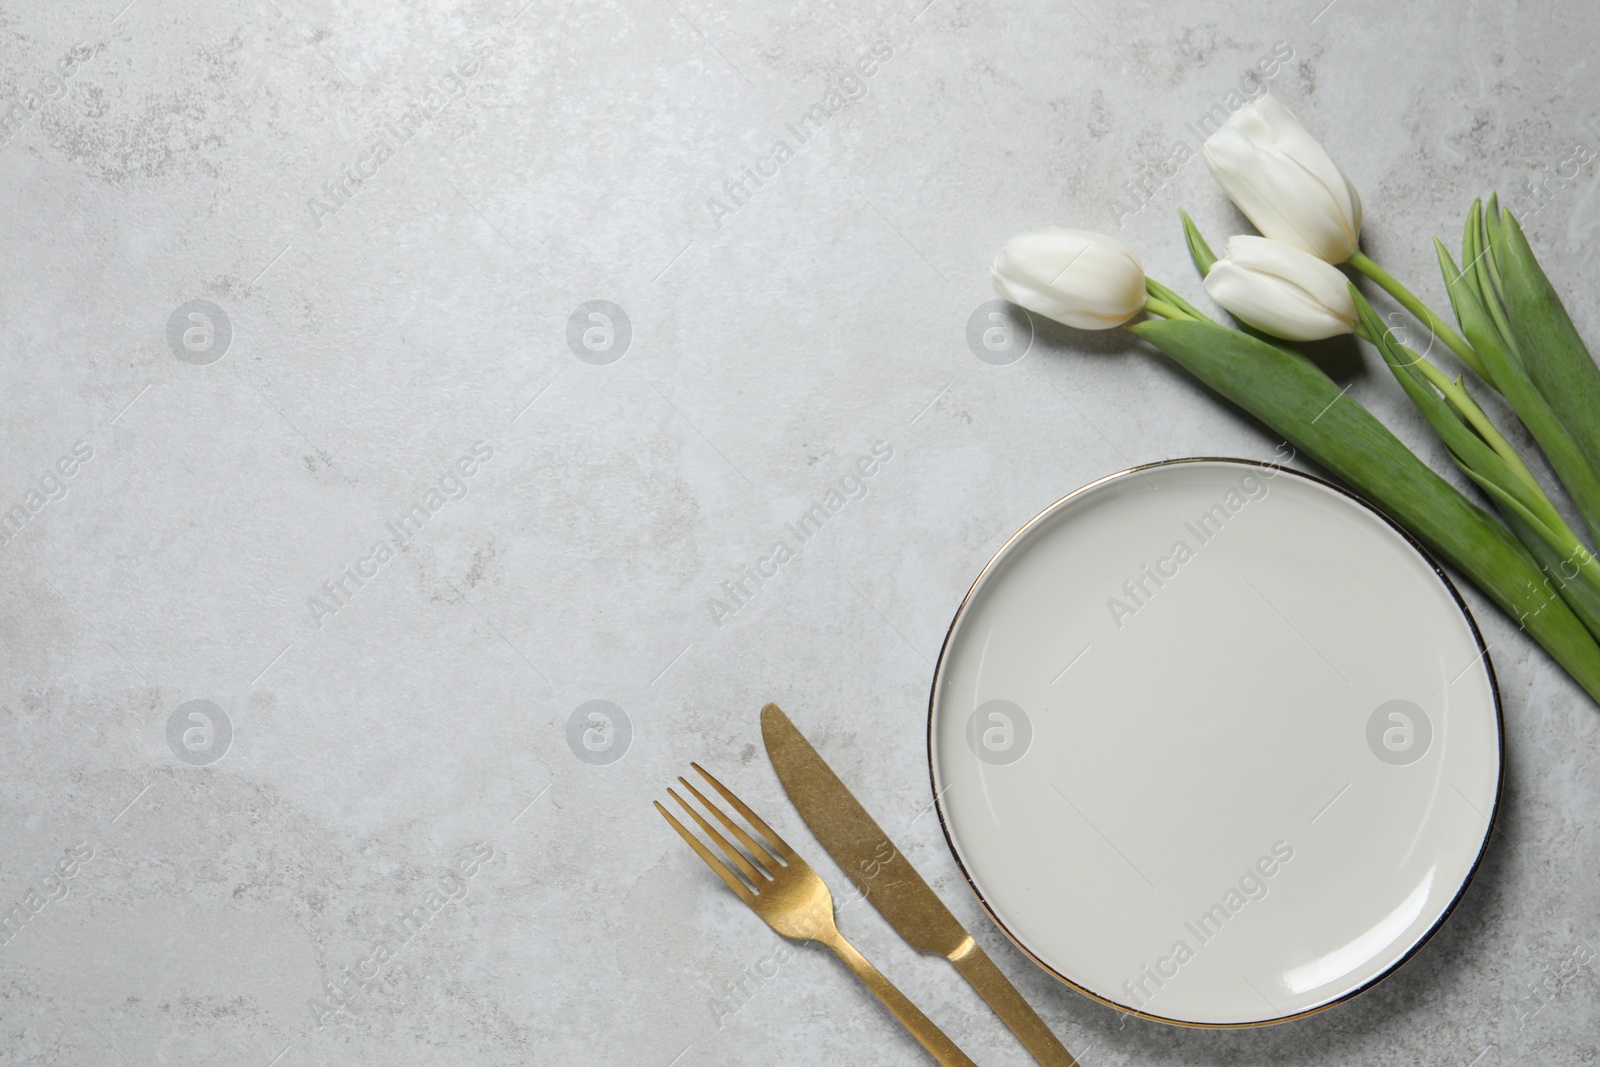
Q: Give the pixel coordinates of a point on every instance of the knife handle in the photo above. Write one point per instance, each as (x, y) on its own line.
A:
(940, 1047)
(993, 986)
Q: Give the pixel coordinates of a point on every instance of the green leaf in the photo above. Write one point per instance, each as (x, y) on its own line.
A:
(1491, 220)
(1494, 295)
(1506, 373)
(1486, 274)
(1556, 555)
(1462, 288)
(1300, 402)
(1199, 251)
(1471, 249)
(1493, 348)
(1476, 457)
(1556, 358)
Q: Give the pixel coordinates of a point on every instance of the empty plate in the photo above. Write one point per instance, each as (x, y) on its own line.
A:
(1215, 742)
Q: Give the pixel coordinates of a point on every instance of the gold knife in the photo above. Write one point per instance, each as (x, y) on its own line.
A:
(887, 879)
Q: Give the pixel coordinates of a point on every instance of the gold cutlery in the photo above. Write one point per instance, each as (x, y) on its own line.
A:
(782, 888)
(888, 881)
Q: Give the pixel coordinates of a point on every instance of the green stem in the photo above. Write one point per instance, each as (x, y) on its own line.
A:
(1458, 398)
(1477, 419)
(1156, 306)
(1174, 299)
(1424, 314)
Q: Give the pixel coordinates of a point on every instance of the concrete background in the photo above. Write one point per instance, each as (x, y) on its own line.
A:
(362, 336)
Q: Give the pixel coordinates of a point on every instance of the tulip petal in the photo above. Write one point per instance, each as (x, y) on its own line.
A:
(1083, 279)
(1291, 139)
(1277, 305)
(1322, 282)
(1285, 181)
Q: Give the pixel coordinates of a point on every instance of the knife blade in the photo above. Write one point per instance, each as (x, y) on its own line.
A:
(889, 882)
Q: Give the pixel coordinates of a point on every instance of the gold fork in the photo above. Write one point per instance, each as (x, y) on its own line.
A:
(782, 888)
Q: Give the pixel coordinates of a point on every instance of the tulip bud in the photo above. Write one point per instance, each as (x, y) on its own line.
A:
(1087, 280)
(1284, 181)
(1281, 290)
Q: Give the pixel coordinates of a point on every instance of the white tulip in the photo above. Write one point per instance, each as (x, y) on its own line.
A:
(1086, 280)
(1284, 181)
(1281, 290)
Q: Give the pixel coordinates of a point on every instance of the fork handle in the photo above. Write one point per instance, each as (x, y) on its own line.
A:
(940, 1047)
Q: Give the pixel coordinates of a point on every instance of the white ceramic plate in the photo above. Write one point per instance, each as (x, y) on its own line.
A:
(1215, 742)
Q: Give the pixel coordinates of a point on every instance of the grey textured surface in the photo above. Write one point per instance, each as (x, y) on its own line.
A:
(566, 154)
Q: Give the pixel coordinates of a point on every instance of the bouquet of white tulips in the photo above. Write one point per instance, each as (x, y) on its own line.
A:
(1515, 337)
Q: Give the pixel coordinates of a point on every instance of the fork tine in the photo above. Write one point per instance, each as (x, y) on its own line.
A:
(778, 844)
(758, 878)
(762, 856)
(711, 861)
